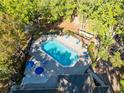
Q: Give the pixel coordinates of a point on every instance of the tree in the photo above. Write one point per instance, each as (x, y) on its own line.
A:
(11, 38)
(104, 17)
(22, 10)
(107, 21)
(84, 10)
(92, 52)
(52, 11)
(116, 60)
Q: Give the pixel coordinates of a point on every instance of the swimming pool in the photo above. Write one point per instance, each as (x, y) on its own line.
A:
(62, 54)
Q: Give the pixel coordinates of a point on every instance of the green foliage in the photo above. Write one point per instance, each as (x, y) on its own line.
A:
(85, 8)
(103, 54)
(92, 51)
(122, 86)
(119, 28)
(116, 60)
(22, 10)
(11, 39)
(53, 10)
(107, 12)
(105, 37)
(105, 17)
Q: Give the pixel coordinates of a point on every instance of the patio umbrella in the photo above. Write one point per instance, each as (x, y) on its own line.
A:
(30, 64)
(39, 70)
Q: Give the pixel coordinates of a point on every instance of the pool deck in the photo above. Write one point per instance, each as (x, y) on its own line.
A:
(48, 79)
(72, 43)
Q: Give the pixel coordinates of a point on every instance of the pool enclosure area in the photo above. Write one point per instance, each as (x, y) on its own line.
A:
(54, 56)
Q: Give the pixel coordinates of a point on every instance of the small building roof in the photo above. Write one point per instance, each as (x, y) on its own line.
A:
(36, 91)
(75, 83)
(70, 84)
(105, 89)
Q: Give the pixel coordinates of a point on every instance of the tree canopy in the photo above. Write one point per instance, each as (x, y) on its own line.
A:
(11, 39)
(106, 16)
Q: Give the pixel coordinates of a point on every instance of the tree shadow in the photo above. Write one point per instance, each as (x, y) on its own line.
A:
(63, 57)
(75, 83)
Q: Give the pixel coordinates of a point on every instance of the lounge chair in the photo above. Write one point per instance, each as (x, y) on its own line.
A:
(66, 36)
(85, 55)
(78, 41)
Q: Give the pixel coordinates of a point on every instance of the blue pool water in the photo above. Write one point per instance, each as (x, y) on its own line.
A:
(60, 53)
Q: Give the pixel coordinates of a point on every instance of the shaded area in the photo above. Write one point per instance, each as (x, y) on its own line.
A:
(36, 91)
(122, 55)
(49, 84)
(67, 84)
(102, 90)
(76, 83)
(112, 74)
(119, 38)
